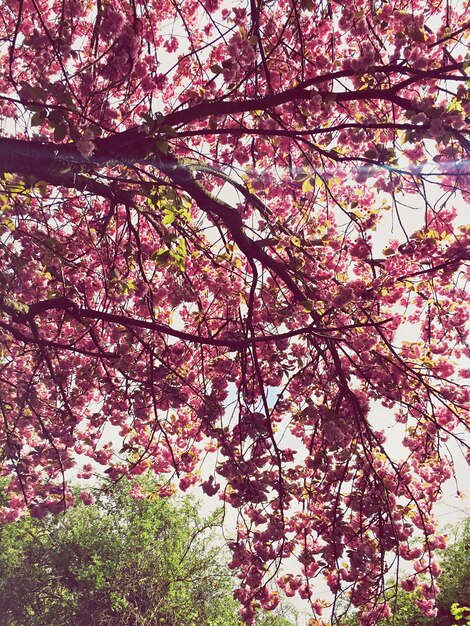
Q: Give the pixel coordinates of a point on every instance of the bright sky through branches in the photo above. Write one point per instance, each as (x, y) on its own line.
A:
(135, 296)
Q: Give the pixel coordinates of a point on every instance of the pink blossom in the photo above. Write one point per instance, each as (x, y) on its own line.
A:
(85, 144)
(87, 498)
(112, 24)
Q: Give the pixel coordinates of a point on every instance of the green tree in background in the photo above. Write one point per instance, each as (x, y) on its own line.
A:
(122, 561)
(455, 578)
(454, 594)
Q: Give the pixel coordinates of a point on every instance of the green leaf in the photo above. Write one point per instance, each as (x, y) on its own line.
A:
(161, 257)
(147, 117)
(169, 217)
(308, 185)
(60, 132)
(41, 186)
(162, 146)
(38, 118)
(56, 116)
(67, 100)
(9, 224)
(96, 130)
(35, 92)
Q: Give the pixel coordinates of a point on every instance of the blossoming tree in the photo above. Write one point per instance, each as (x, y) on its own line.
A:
(190, 268)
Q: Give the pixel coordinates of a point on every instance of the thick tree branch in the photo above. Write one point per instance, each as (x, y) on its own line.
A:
(82, 313)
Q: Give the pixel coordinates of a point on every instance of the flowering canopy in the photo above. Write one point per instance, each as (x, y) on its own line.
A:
(190, 265)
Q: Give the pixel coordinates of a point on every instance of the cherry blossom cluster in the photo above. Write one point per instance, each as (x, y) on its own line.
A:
(196, 262)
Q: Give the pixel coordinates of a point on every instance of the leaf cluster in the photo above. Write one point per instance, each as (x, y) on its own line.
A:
(119, 561)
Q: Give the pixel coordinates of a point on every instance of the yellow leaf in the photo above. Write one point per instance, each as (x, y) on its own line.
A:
(308, 185)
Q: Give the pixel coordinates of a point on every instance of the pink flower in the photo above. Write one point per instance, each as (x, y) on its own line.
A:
(85, 145)
(360, 249)
(209, 487)
(409, 584)
(136, 492)
(111, 25)
(87, 498)
(148, 84)
(427, 607)
(344, 295)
